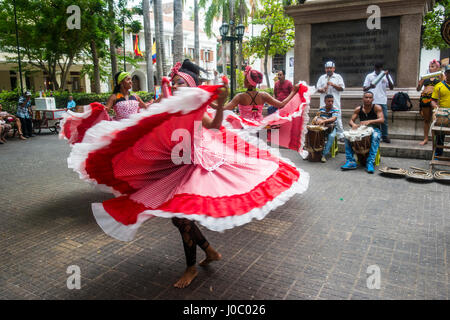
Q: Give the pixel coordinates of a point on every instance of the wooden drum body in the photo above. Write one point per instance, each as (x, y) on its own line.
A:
(315, 142)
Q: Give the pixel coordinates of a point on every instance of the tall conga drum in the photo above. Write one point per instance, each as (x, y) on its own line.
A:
(315, 142)
(360, 140)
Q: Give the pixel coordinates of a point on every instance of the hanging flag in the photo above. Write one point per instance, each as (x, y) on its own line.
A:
(154, 52)
(137, 52)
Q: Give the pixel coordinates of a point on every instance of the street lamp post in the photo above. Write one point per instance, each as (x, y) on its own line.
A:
(235, 35)
(18, 49)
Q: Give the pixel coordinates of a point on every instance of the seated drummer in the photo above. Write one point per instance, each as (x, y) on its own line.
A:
(441, 99)
(327, 116)
(370, 115)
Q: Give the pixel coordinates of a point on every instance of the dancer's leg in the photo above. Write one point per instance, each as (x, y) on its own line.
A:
(192, 236)
(426, 114)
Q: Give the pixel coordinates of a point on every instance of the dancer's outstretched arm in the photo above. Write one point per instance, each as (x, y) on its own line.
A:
(216, 123)
(142, 104)
(277, 103)
(110, 102)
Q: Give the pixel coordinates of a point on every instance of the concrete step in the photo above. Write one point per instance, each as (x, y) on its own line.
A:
(403, 149)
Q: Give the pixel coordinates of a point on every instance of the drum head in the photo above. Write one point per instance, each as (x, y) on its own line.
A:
(419, 175)
(442, 175)
(391, 171)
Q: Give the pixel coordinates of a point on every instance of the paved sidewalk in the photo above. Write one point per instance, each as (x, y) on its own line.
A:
(317, 246)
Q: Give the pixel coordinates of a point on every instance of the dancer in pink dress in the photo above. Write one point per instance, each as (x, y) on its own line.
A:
(251, 102)
(74, 125)
(168, 162)
(121, 101)
(290, 119)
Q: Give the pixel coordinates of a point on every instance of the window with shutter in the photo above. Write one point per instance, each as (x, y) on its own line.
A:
(202, 52)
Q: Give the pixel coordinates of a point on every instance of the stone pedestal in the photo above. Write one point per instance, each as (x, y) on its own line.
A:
(314, 16)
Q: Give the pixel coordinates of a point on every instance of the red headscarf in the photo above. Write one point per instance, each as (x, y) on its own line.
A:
(175, 72)
(253, 76)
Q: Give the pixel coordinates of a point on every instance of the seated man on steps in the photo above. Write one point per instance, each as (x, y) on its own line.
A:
(370, 115)
(327, 117)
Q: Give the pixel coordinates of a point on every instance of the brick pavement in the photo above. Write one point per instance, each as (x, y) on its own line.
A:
(317, 246)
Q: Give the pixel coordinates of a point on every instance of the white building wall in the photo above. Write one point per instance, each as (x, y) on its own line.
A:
(206, 44)
(425, 57)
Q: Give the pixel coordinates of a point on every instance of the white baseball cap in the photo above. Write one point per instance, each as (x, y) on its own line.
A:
(329, 64)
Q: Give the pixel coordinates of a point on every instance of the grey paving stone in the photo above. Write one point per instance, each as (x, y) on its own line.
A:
(316, 246)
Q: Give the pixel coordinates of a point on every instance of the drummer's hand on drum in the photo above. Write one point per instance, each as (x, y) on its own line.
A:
(365, 123)
(320, 122)
(355, 126)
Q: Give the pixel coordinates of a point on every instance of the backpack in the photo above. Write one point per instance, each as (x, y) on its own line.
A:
(400, 102)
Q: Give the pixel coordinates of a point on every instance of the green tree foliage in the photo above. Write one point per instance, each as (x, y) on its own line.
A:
(432, 25)
(45, 40)
(48, 44)
(277, 35)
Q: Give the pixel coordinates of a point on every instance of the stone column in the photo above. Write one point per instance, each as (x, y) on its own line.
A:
(409, 50)
(302, 52)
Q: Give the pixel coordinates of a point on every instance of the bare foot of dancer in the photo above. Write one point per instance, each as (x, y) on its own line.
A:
(211, 255)
(424, 142)
(189, 274)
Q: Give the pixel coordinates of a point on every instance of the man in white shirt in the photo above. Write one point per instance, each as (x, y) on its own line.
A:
(332, 83)
(379, 94)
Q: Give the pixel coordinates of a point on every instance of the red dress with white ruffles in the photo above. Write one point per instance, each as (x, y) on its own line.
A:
(163, 162)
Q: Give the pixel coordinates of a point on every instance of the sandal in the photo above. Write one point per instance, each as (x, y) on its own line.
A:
(21, 137)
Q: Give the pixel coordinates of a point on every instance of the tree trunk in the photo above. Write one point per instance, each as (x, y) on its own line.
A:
(177, 31)
(65, 72)
(196, 34)
(95, 61)
(159, 58)
(266, 56)
(161, 38)
(240, 58)
(232, 32)
(112, 45)
(52, 75)
(148, 45)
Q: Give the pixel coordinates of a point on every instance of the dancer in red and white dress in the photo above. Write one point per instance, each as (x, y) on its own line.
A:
(74, 125)
(168, 162)
(291, 118)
